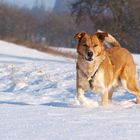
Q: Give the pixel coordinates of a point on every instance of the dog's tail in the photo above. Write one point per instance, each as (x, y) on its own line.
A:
(110, 41)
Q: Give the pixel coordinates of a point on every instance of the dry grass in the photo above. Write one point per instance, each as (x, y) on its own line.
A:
(42, 48)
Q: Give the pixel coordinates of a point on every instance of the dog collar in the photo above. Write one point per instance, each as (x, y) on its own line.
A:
(90, 79)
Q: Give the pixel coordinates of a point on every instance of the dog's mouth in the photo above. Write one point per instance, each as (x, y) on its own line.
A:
(89, 59)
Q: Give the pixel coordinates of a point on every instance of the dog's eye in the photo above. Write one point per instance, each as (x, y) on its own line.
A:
(85, 45)
(95, 45)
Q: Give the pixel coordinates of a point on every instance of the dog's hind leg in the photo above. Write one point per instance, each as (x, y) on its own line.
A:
(134, 89)
(132, 86)
(129, 80)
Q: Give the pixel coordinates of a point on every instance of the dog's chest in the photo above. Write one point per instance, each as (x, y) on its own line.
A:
(97, 83)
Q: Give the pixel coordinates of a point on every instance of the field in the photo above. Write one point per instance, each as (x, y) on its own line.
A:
(37, 101)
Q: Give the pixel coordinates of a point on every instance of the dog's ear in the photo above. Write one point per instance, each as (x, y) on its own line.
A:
(79, 35)
(101, 35)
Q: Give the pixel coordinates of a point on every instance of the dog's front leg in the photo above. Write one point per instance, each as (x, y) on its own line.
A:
(80, 96)
(105, 98)
(83, 100)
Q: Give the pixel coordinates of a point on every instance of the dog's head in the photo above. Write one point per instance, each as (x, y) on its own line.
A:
(90, 46)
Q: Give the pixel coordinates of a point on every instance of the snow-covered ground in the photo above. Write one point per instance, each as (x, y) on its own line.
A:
(37, 101)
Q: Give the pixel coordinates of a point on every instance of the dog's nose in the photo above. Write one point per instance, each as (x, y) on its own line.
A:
(89, 54)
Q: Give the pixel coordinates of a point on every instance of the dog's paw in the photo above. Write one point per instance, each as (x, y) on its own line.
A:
(90, 104)
(87, 103)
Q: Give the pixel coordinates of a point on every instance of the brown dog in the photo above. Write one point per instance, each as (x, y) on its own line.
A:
(103, 70)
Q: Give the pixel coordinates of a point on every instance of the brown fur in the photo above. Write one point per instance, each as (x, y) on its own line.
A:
(109, 68)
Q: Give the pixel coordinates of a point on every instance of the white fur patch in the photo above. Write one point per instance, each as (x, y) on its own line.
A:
(84, 101)
(100, 31)
(124, 83)
(87, 102)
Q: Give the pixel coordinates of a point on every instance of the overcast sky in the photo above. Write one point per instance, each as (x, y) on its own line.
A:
(30, 3)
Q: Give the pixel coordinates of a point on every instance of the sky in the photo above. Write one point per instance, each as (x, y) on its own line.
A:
(29, 3)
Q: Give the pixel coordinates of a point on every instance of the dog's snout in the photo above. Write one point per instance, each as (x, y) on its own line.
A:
(89, 54)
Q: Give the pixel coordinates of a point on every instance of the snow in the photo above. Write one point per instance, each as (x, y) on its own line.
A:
(37, 101)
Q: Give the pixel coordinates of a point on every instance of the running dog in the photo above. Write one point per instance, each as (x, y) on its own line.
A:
(102, 70)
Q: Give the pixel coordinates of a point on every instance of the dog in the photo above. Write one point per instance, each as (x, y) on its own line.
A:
(103, 70)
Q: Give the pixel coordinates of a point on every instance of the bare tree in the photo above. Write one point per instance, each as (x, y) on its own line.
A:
(118, 17)
(16, 22)
(59, 29)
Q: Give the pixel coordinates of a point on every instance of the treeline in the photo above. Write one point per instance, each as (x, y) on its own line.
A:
(121, 18)
(16, 23)
(37, 25)
(41, 26)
